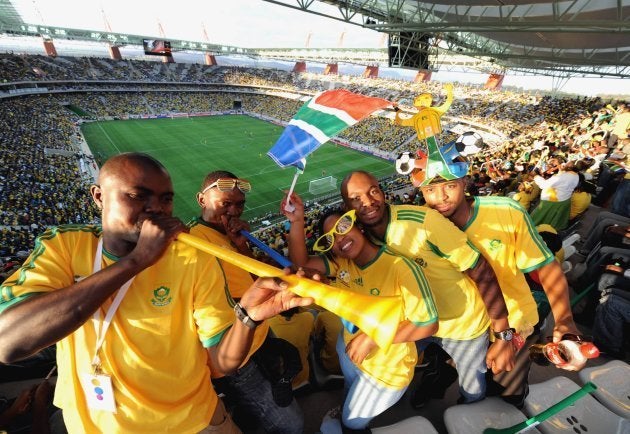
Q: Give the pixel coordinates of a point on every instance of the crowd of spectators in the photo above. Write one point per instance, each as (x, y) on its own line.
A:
(536, 128)
(43, 181)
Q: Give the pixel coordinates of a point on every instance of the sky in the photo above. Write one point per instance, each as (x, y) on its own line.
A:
(257, 24)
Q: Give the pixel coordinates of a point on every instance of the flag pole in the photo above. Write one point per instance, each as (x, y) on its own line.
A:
(298, 171)
(268, 250)
(288, 206)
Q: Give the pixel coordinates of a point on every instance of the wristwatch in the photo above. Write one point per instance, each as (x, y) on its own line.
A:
(505, 335)
(242, 316)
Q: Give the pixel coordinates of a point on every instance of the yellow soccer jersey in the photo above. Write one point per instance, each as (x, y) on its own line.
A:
(238, 280)
(154, 347)
(297, 331)
(505, 234)
(388, 275)
(443, 251)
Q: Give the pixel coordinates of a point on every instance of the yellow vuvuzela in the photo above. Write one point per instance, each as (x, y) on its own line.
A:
(377, 317)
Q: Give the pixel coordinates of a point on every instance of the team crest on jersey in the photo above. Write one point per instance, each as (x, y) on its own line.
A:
(495, 244)
(344, 277)
(421, 262)
(375, 291)
(161, 296)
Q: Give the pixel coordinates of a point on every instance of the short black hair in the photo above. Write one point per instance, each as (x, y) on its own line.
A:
(213, 176)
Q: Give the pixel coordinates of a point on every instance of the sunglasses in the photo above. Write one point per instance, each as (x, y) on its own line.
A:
(229, 184)
(341, 227)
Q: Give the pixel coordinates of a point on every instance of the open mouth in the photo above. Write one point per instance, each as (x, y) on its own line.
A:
(371, 214)
(346, 245)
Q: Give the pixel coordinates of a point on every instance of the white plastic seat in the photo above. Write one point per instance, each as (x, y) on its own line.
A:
(412, 425)
(585, 416)
(489, 413)
(613, 385)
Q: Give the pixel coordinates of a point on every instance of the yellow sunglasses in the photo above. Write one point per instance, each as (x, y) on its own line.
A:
(228, 184)
(342, 226)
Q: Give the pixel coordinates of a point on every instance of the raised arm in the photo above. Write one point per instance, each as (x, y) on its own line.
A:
(297, 239)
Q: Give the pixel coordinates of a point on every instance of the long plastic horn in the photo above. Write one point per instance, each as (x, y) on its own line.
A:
(377, 317)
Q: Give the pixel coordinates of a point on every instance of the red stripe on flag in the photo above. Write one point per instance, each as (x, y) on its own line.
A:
(357, 106)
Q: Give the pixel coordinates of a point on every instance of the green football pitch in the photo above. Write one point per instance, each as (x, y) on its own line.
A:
(192, 147)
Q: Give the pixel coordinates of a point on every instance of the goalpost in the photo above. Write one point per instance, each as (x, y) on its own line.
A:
(322, 185)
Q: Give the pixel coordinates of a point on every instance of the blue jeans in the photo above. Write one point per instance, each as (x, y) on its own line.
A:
(611, 315)
(365, 397)
(250, 390)
(621, 199)
(470, 359)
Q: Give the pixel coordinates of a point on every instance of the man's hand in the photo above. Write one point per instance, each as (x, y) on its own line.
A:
(269, 296)
(233, 227)
(156, 233)
(360, 347)
(43, 396)
(22, 403)
(563, 327)
(313, 274)
(500, 356)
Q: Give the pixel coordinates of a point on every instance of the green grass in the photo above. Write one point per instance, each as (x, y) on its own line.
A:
(192, 147)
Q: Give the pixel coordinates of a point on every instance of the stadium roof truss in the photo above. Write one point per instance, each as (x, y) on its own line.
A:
(557, 38)
(12, 23)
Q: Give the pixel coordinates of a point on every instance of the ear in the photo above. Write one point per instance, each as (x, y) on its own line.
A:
(97, 195)
(201, 200)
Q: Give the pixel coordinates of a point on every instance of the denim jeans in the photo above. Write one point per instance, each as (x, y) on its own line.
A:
(365, 397)
(470, 359)
(621, 199)
(251, 391)
(611, 315)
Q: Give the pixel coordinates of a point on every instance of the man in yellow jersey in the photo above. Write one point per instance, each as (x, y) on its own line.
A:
(505, 234)
(222, 201)
(448, 260)
(136, 317)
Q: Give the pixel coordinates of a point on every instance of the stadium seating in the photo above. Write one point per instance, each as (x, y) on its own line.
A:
(587, 415)
(489, 413)
(613, 385)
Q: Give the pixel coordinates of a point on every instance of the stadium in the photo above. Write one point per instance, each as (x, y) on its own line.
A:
(73, 98)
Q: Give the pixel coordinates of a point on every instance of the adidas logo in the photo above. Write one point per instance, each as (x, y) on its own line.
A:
(358, 281)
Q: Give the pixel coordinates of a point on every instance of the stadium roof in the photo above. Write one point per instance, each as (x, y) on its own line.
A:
(571, 37)
(558, 38)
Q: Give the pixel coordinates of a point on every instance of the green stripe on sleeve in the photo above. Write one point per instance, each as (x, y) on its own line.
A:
(214, 340)
(13, 301)
(425, 289)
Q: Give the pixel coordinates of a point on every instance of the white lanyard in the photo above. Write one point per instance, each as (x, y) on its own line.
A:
(102, 326)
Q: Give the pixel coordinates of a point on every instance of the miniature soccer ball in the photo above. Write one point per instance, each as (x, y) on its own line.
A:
(404, 163)
(469, 143)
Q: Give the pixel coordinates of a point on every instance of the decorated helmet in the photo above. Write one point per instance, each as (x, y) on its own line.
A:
(442, 164)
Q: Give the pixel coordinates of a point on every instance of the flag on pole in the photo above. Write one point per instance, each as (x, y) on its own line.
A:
(321, 118)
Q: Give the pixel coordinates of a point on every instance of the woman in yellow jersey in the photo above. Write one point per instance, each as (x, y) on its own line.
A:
(375, 378)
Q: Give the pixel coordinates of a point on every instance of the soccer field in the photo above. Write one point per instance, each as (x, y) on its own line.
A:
(192, 147)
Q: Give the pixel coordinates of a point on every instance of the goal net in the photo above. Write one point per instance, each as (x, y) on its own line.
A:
(322, 185)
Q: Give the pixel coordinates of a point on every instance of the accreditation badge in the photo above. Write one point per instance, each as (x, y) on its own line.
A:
(98, 392)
